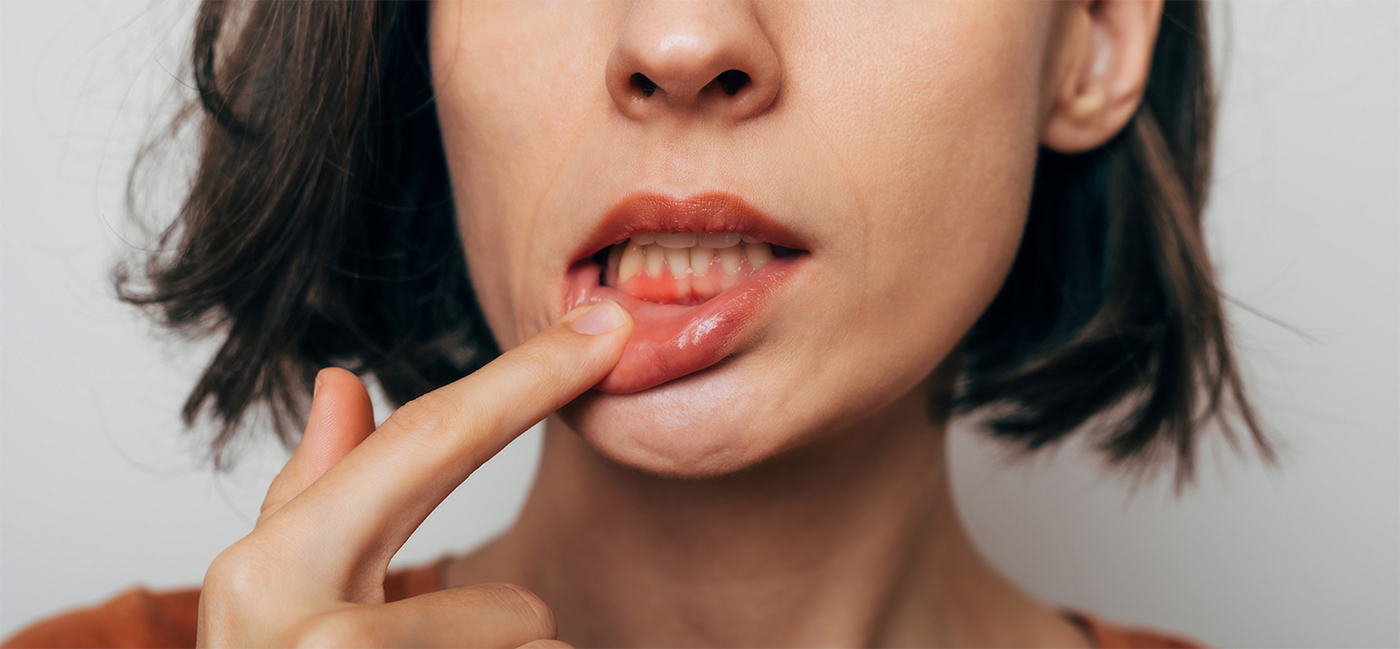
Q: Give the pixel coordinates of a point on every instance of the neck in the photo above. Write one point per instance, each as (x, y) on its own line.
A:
(849, 540)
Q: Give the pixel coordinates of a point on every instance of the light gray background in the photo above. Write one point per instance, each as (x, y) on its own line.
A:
(100, 490)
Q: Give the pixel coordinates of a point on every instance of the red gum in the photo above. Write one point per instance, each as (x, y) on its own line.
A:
(666, 289)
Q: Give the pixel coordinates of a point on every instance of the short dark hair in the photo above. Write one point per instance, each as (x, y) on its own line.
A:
(1112, 307)
(319, 230)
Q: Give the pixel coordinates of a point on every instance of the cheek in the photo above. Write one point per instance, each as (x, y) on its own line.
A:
(509, 111)
(944, 160)
(937, 140)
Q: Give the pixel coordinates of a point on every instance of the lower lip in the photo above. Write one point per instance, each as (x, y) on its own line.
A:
(670, 341)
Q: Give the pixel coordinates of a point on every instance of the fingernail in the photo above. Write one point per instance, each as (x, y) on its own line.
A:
(600, 319)
(317, 387)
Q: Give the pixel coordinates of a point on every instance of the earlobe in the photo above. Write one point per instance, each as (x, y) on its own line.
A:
(1105, 48)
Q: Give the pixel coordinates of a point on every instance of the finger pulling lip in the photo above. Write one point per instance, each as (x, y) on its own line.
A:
(672, 340)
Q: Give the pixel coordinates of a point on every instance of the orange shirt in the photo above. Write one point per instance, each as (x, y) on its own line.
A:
(141, 618)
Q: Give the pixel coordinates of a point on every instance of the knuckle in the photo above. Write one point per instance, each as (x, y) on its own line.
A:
(239, 573)
(538, 361)
(426, 416)
(334, 630)
(527, 606)
(546, 643)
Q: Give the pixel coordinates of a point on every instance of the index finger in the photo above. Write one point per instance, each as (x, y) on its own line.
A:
(364, 508)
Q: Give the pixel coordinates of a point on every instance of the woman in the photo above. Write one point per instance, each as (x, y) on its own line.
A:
(747, 258)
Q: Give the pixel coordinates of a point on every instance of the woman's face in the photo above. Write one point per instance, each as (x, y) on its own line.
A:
(880, 155)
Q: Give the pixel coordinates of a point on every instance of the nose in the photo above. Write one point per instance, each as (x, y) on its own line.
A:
(707, 57)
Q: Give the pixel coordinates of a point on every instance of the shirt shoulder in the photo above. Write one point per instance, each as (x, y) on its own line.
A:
(167, 619)
(134, 618)
(1113, 636)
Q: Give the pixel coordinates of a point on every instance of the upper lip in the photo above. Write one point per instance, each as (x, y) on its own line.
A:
(715, 212)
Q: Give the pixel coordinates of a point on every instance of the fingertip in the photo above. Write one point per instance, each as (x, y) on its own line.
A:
(331, 375)
(340, 404)
(600, 318)
(340, 377)
(341, 417)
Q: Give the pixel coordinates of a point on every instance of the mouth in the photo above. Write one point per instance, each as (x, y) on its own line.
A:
(695, 275)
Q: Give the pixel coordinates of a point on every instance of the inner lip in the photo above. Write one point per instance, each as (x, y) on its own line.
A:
(684, 268)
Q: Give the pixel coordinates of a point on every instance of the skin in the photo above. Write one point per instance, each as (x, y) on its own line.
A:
(796, 493)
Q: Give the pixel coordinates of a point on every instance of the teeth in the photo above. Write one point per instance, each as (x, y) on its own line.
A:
(730, 258)
(689, 240)
(759, 254)
(725, 240)
(633, 258)
(679, 261)
(700, 257)
(690, 254)
(670, 240)
(655, 256)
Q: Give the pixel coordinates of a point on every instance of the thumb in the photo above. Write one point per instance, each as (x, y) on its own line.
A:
(341, 417)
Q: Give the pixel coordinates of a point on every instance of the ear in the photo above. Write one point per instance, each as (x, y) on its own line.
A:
(1105, 52)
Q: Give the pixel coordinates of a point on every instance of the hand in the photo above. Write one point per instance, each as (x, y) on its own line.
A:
(311, 573)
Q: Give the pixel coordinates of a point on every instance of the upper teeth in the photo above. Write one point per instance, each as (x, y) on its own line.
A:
(685, 254)
(672, 240)
(690, 240)
(726, 240)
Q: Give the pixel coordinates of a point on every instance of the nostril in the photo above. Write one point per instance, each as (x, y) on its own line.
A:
(733, 81)
(642, 83)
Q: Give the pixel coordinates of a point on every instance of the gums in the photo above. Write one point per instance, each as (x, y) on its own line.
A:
(703, 273)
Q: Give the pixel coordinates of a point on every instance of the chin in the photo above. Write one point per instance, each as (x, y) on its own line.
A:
(691, 427)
